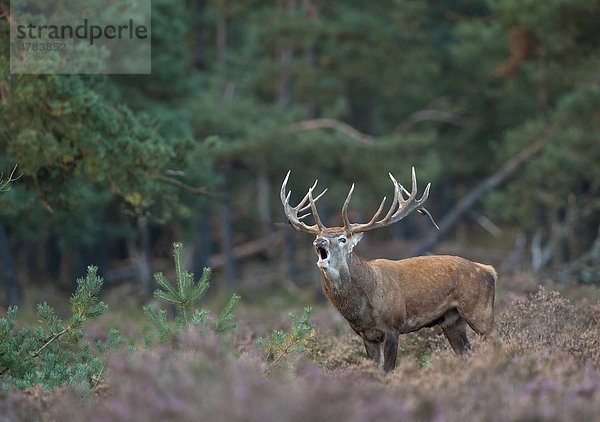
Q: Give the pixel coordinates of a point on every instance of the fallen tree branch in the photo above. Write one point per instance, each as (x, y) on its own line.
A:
(431, 112)
(180, 184)
(245, 250)
(427, 115)
(346, 129)
(467, 202)
(586, 268)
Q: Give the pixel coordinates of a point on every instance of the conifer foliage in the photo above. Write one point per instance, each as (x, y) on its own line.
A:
(56, 353)
(280, 345)
(184, 295)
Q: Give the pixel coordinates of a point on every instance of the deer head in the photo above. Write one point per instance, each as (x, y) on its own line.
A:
(334, 244)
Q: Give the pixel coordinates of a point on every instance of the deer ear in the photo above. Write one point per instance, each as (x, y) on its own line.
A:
(354, 239)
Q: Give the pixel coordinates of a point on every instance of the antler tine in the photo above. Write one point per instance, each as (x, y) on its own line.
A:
(400, 207)
(376, 215)
(292, 212)
(313, 209)
(423, 210)
(305, 199)
(316, 199)
(345, 218)
(426, 212)
(398, 188)
(411, 203)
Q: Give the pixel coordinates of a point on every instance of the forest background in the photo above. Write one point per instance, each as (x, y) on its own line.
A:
(496, 103)
(500, 97)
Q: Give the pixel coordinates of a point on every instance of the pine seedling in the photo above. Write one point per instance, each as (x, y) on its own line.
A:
(184, 295)
(159, 320)
(280, 345)
(54, 354)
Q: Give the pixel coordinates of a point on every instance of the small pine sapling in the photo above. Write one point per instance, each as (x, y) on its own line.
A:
(184, 296)
(55, 354)
(280, 345)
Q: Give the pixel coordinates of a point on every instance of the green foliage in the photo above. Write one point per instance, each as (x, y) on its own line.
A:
(280, 345)
(56, 353)
(425, 361)
(224, 322)
(187, 292)
(453, 88)
(184, 296)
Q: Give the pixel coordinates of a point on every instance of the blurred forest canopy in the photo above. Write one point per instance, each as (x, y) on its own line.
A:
(118, 167)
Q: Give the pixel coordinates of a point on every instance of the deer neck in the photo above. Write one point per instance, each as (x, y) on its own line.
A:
(350, 287)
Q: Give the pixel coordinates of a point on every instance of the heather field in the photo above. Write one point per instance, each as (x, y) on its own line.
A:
(547, 368)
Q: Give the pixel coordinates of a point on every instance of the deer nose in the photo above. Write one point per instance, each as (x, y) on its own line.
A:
(320, 243)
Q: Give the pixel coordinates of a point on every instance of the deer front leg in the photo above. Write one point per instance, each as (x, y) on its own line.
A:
(390, 351)
(373, 349)
(373, 340)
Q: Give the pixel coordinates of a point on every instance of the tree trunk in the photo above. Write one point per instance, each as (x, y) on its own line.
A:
(289, 257)
(222, 38)
(263, 195)
(202, 246)
(141, 256)
(227, 235)
(198, 43)
(285, 61)
(12, 287)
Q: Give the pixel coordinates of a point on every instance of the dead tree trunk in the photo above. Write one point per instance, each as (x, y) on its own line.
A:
(467, 202)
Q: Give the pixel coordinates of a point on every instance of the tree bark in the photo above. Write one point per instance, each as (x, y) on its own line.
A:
(141, 256)
(222, 38)
(12, 287)
(202, 246)
(227, 236)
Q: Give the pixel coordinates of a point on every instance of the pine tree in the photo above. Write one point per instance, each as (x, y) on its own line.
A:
(184, 295)
(56, 353)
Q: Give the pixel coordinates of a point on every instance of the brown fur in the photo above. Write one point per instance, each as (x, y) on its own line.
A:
(382, 299)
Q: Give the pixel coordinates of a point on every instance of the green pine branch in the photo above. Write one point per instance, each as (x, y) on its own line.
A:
(36, 356)
(280, 345)
(224, 322)
(187, 292)
(184, 294)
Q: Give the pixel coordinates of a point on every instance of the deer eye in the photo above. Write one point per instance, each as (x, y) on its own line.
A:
(342, 239)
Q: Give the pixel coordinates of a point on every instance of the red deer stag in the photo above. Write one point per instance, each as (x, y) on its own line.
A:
(382, 299)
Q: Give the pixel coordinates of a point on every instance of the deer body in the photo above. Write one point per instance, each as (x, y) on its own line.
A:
(382, 298)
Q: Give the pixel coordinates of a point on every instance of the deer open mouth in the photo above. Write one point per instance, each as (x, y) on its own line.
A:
(323, 255)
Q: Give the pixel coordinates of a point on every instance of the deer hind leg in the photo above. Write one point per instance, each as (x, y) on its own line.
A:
(373, 340)
(454, 328)
(481, 319)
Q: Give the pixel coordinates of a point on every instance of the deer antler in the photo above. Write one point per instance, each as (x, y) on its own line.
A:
(292, 212)
(399, 209)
